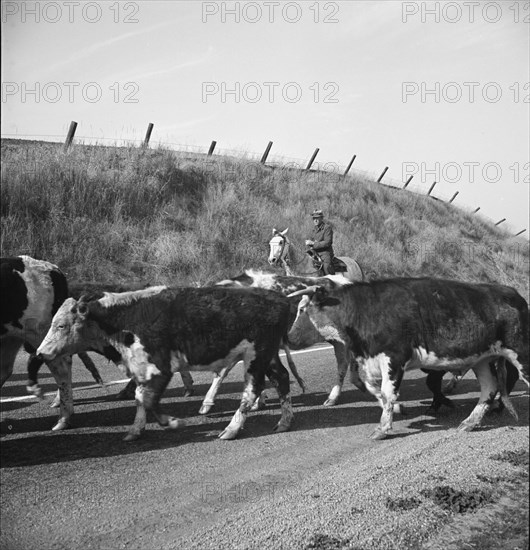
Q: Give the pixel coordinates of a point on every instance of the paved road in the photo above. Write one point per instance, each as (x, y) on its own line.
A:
(325, 480)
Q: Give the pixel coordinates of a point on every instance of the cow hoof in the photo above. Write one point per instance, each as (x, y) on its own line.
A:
(55, 403)
(174, 423)
(228, 433)
(465, 427)
(131, 437)
(61, 425)
(377, 435)
(189, 393)
(279, 428)
(35, 390)
(205, 409)
(330, 402)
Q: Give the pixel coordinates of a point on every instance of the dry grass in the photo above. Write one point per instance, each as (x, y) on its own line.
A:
(119, 214)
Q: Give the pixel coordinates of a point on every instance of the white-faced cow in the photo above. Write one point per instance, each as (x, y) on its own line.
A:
(390, 326)
(306, 335)
(32, 291)
(160, 330)
(306, 338)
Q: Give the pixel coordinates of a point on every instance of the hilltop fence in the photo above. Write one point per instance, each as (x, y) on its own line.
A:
(279, 161)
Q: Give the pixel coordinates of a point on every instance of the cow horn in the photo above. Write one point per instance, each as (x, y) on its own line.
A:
(309, 291)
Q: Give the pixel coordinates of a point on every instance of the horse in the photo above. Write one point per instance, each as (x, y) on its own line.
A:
(309, 265)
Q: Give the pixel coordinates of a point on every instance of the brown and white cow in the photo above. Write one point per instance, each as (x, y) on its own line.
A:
(305, 338)
(392, 325)
(160, 330)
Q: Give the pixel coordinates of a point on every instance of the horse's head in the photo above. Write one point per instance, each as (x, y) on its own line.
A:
(279, 247)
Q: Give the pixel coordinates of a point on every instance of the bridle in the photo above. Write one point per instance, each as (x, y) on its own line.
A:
(281, 241)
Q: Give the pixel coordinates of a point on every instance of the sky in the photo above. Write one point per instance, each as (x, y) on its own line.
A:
(437, 90)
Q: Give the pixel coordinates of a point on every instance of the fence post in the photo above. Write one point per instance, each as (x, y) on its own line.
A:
(432, 187)
(212, 147)
(148, 135)
(500, 221)
(476, 210)
(520, 232)
(70, 135)
(349, 165)
(312, 159)
(381, 176)
(266, 153)
(407, 182)
(454, 196)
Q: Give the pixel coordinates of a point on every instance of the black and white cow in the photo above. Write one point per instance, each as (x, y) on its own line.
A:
(32, 291)
(160, 330)
(390, 326)
(21, 290)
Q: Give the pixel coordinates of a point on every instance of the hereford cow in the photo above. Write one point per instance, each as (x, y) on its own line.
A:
(160, 330)
(284, 285)
(32, 291)
(392, 325)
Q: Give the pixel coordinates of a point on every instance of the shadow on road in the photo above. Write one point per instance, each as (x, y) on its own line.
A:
(99, 433)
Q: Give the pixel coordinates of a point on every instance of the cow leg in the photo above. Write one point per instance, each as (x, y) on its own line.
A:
(209, 400)
(187, 380)
(61, 368)
(292, 367)
(151, 399)
(91, 367)
(8, 351)
(383, 384)
(254, 385)
(512, 375)
(434, 383)
(129, 392)
(503, 385)
(279, 377)
(488, 390)
(343, 361)
(140, 419)
(34, 364)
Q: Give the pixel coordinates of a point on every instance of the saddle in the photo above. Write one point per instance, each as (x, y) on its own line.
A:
(338, 265)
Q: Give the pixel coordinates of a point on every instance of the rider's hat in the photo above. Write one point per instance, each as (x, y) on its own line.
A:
(317, 214)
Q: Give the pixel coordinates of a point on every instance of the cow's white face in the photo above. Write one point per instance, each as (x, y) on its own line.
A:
(66, 334)
(312, 313)
(279, 247)
(302, 323)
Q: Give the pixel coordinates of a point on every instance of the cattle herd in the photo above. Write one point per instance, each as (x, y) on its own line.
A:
(378, 330)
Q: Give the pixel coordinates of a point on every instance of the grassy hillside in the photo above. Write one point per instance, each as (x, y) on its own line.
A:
(119, 214)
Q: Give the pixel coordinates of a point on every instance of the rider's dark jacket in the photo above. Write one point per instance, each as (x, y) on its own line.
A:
(323, 237)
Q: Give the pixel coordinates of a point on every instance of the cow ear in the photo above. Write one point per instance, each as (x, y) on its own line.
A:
(284, 231)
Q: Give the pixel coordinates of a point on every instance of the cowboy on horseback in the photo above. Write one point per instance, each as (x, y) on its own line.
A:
(321, 242)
